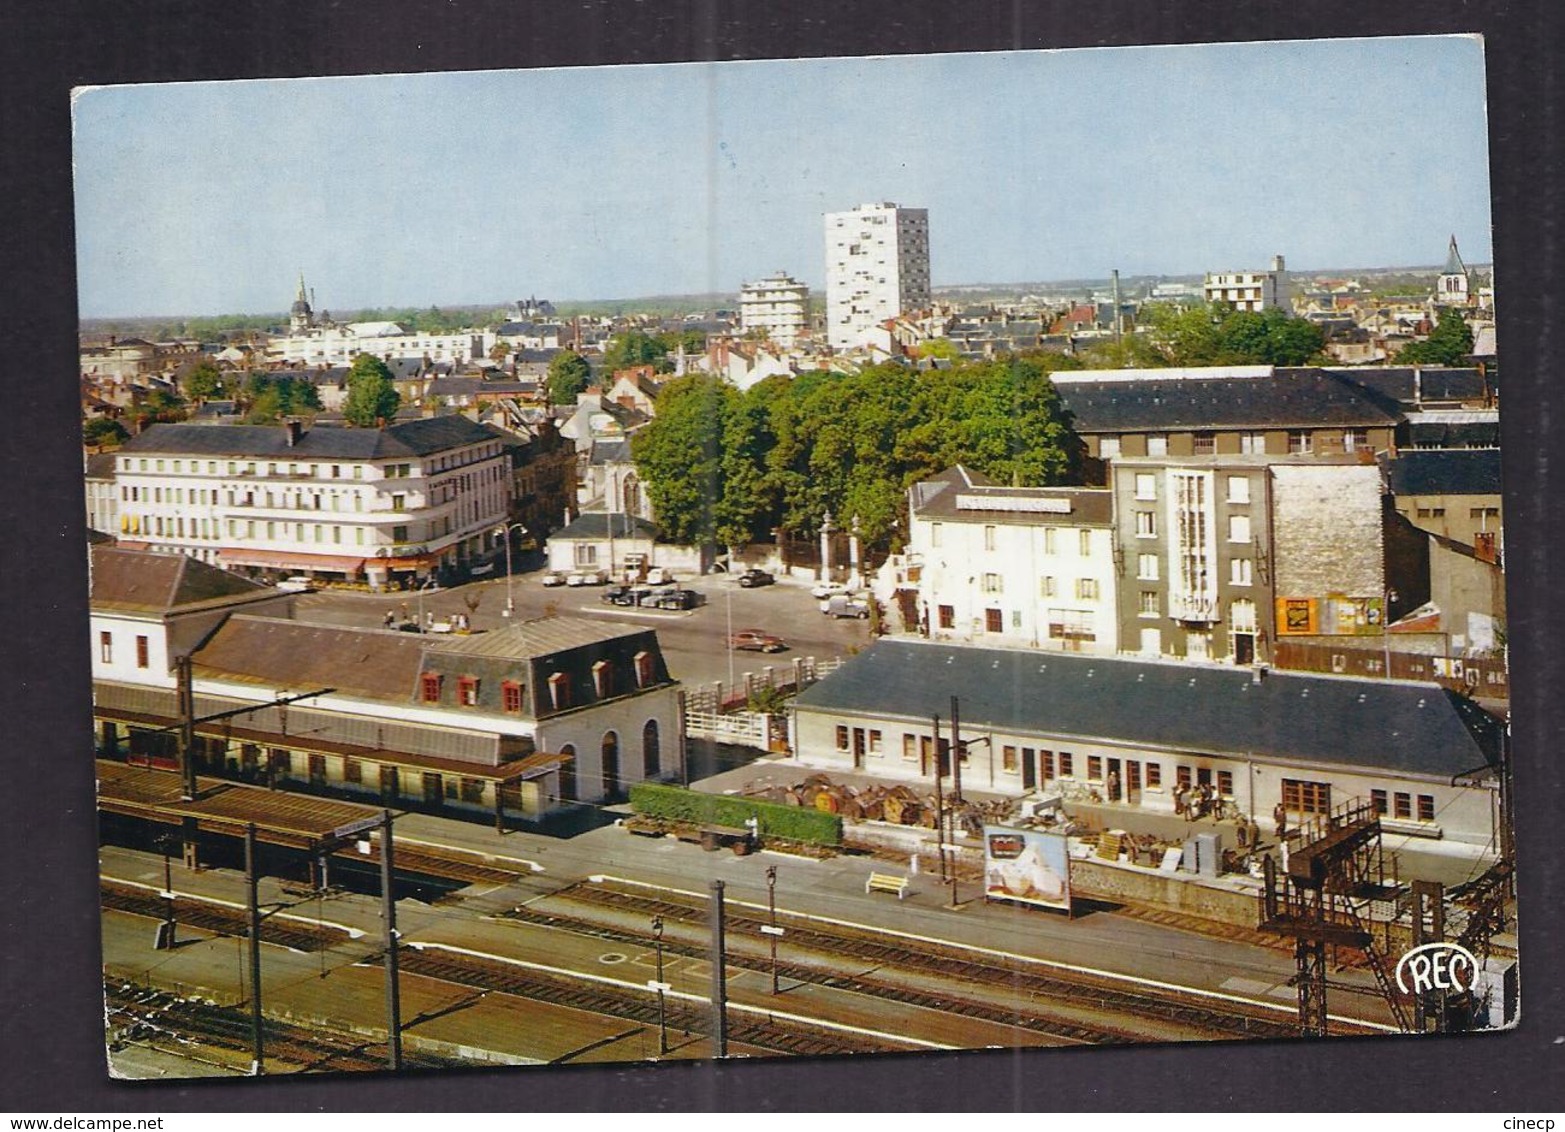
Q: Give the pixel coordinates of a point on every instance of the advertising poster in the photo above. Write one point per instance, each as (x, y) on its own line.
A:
(1027, 865)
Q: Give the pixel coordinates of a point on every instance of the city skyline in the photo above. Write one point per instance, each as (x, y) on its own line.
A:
(601, 183)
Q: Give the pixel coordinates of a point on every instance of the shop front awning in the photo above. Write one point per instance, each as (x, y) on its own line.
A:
(289, 560)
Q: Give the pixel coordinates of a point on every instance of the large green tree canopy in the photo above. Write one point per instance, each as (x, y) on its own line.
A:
(372, 397)
(1219, 335)
(569, 374)
(1449, 344)
(730, 467)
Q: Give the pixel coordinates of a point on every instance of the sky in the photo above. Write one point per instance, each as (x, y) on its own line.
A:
(622, 182)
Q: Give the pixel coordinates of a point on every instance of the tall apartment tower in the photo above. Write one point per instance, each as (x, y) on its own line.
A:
(777, 307)
(877, 267)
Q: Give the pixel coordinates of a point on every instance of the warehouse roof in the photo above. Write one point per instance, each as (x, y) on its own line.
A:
(1289, 716)
(420, 437)
(1449, 471)
(1296, 399)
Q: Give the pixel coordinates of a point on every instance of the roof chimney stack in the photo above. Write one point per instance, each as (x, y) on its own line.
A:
(295, 431)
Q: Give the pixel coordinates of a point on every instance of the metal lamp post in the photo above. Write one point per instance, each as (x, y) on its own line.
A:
(504, 531)
(771, 904)
(657, 942)
(429, 583)
(1385, 628)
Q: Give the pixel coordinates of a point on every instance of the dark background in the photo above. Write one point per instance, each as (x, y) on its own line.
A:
(50, 991)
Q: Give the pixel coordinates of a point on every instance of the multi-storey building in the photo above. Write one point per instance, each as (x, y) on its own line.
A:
(379, 504)
(877, 267)
(1251, 290)
(1013, 565)
(777, 308)
(1222, 555)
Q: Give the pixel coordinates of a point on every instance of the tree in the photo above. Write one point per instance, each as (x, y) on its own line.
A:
(372, 398)
(635, 348)
(157, 407)
(569, 375)
(202, 381)
(679, 456)
(1449, 344)
(100, 431)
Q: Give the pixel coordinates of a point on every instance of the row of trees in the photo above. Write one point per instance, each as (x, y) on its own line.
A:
(727, 467)
(1217, 335)
(1449, 344)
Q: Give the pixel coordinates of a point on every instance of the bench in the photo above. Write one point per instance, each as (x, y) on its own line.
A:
(886, 882)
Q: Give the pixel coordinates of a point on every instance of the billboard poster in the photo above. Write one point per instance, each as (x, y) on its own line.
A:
(1031, 866)
(1297, 617)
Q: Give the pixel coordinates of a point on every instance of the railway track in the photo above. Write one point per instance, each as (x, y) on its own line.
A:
(203, 1030)
(217, 918)
(1036, 994)
(775, 1035)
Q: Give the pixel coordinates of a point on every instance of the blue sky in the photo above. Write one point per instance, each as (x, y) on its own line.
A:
(207, 198)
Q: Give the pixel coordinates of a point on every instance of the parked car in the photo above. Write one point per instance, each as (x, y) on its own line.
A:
(553, 578)
(659, 576)
(753, 577)
(586, 578)
(481, 569)
(824, 590)
(297, 584)
(845, 605)
(756, 640)
(675, 599)
(619, 595)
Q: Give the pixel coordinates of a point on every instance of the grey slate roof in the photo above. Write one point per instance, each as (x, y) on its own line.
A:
(1389, 725)
(1294, 399)
(140, 581)
(421, 437)
(937, 498)
(1405, 387)
(595, 524)
(1457, 471)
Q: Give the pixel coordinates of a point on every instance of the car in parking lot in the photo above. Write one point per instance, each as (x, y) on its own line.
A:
(297, 584)
(845, 605)
(756, 640)
(619, 595)
(552, 578)
(824, 590)
(753, 577)
(673, 598)
(586, 578)
(659, 576)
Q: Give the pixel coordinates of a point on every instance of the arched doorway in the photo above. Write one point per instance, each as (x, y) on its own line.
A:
(650, 754)
(610, 764)
(568, 774)
(630, 491)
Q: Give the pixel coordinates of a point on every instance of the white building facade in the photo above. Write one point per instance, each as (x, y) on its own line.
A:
(1251, 290)
(343, 502)
(1014, 566)
(338, 346)
(877, 267)
(777, 307)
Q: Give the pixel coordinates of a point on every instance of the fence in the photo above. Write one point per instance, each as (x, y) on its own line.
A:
(1476, 676)
(720, 698)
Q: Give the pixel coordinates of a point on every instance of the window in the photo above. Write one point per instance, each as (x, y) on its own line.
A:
(646, 670)
(511, 696)
(1241, 571)
(1046, 587)
(1238, 489)
(1146, 567)
(1086, 589)
(1225, 783)
(1300, 797)
(1355, 440)
(1108, 447)
(1252, 443)
(1008, 759)
(1046, 760)
(876, 747)
(909, 746)
(1238, 528)
(1084, 543)
(1157, 444)
(560, 691)
(1049, 541)
(399, 502)
(1377, 798)
(467, 691)
(947, 616)
(1067, 765)
(1146, 524)
(1483, 513)
(603, 679)
(1402, 806)
(1094, 766)
(934, 534)
(1300, 443)
(1426, 807)
(1151, 604)
(993, 584)
(842, 737)
(106, 647)
(430, 687)
(994, 621)
(989, 537)
(143, 652)
(352, 770)
(472, 788)
(1182, 777)
(1146, 485)
(1204, 443)
(1154, 774)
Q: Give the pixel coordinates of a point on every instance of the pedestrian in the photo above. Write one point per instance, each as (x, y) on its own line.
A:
(404, 611)
(1113, 785)
(1280, 816)
(390, 618)
(1179, 801)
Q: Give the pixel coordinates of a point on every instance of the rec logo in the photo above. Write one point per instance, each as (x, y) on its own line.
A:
(1436, 967)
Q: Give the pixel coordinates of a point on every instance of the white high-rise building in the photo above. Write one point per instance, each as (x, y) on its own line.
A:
(1251, 290)
(877, 267)
(777, 307)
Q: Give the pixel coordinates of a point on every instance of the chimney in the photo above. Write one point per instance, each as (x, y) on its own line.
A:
(295, 432)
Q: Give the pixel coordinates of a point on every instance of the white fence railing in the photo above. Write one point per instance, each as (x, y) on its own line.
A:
(742, 728)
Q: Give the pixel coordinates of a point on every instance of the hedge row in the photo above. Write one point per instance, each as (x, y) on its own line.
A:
(796, 823)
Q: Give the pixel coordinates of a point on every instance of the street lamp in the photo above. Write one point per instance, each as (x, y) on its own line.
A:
(1385, 628)
(771, 904)
(429, 584)
(657, 942)
(504, 531)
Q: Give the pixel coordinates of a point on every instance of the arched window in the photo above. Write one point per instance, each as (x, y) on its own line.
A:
(650, 759)
(610, 764)
(568, 774)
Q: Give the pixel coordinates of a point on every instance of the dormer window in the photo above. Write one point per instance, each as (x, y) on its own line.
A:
(646, 671)
(429, 687)
(603, 679)
(511, 696)
(467, 691)
(560, 691)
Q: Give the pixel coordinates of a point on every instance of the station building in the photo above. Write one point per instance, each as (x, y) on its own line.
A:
(514, 723)
(1132, 732)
